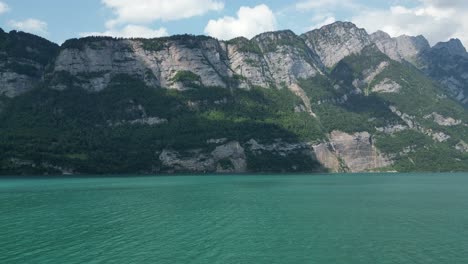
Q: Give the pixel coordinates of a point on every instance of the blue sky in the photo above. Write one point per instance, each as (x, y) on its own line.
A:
(59, 20)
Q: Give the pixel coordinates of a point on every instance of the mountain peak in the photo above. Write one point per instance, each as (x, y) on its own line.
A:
(340, 24)
(336, 41)
(400, 48)
(381, 35)
(452, 47)
(276, 35)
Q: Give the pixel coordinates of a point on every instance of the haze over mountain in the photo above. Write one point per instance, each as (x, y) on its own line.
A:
(332, 99)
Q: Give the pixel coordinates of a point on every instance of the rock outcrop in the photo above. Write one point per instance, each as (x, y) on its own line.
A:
(442, 120)
(453, 47)
(326, 155)
(462, 146)
(358, 151)
(334, 42)
(400, 48)
(225, 158)
(271, 101)
(447, 63)
(94, 63)
(23, 61)
(387, 86)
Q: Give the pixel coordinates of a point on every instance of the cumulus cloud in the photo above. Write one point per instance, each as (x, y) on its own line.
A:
(249, 22)
(4, 8)
(446, 3)
(325, 4)
(30, 25)
(322, 21)
(322, 12)
(130, 31)
(437, 20)
(146, 11)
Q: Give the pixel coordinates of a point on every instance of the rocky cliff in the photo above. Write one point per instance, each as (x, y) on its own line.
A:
(400, 48)
(334, 42)
(333, 99)
(447, 63)
(23, 59)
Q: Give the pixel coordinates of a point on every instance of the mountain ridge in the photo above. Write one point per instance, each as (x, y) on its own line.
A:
(332, 99)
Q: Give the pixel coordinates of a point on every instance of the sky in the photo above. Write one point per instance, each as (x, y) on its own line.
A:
(59, 20)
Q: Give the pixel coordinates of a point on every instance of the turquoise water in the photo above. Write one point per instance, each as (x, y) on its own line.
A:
(398, 218)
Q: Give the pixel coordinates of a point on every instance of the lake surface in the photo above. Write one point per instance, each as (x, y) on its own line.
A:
(395, 218)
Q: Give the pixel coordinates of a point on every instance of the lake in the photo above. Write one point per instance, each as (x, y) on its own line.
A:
(361, 218)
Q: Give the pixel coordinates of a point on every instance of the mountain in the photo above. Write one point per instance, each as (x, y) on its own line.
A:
(447, 63)
(333, 99)
(23, 59)
(400, 48)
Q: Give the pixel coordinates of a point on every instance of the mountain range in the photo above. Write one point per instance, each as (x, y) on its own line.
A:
(335, 99)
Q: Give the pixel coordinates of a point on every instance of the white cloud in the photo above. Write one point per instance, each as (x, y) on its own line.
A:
(446, 3)
(146, 11)
(4, 8)
(321, 21)
(249, 22)
(325, 4)
(323, 12)
(130, 31)
(30, 25)
(437, 20)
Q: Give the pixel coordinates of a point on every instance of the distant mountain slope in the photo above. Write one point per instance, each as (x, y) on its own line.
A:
(333, 99)
(23, 61)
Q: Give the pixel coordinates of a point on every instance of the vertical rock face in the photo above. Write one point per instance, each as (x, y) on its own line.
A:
(452, 47)
(204, 57)
(229, 157)
(23, 59)
(247, 62)
(355, 96)
(157, 62)
(400, 48)
(334, 42)
(326, 156)
(275, 58)
(93, 64)
(447, 63)
(13, 83)
(358, 151)
(287, 57)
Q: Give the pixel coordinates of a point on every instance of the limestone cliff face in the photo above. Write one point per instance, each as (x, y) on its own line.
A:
(400, 48)
(273, 60)
(358, 152)
(225, 158)
(447, 63)
(13, 83)
(334, 42)
(289, 60)
(287, 57)
(452, 47)
(95, 63)
(23, 61)
(246, 61)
